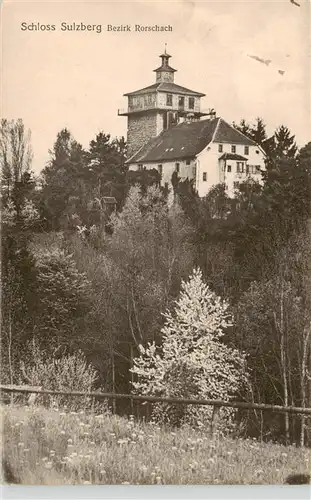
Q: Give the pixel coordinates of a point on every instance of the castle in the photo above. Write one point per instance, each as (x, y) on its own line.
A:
(167, 130)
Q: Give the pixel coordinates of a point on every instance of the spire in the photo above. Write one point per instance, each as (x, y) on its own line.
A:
(165, 72)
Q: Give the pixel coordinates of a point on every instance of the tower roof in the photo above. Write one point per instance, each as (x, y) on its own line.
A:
(165, 64)
(169, 87)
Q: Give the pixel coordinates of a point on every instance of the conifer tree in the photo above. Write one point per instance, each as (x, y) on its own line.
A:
(193, 361)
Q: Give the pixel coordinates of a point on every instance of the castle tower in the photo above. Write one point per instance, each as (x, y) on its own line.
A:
(158, 107)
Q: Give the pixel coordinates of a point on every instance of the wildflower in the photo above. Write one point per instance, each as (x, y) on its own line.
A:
(125, 482)
(211, 460)
(48, 465)
(102, 472)
(20, 444)
(158, 479)
(153, 474)
(144, 468)
(174, 448)
(69, 441)
(86, 434)
(92, 442)
(173, 433)
(74, 454)
(44, 459)
(63, 413)
(86, 482)
(284, 454)
(26, 449)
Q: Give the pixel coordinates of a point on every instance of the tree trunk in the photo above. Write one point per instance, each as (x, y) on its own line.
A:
(303, 381)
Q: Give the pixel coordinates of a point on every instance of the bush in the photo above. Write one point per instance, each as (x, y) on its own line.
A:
(66, 373)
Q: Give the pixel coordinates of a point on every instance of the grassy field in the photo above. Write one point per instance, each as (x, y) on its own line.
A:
(49, 447)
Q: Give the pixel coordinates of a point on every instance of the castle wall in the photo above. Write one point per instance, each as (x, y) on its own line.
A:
(140, 129)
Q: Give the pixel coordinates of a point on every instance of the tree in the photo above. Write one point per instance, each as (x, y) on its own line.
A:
(192, 360)
(256, 132)
(15, 159)
(64, 187)
(284, 143)
(62, 300)
(19, 217)
(106, 160)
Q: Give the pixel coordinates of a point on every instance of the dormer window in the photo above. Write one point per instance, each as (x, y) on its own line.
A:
(169, 100)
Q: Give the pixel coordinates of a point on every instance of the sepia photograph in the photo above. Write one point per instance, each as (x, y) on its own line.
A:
(156, 243)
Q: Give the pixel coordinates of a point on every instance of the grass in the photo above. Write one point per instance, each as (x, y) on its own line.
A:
(49, 447)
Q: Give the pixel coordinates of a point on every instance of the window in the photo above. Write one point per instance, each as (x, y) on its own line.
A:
(258, 170)
(188, 162)
(169, 99)
(181, 102)
(246, 150)
(240, 167)
(140, 167)
(220, 148)
(229, 168)
(233, 149)
(204, 176)
(160, 169)
(236, 185)
(191, 102)
(177, 168)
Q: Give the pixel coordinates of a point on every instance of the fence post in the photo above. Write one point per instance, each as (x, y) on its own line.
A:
(214, 420)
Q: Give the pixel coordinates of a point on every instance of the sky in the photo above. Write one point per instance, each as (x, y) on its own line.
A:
(74, 79)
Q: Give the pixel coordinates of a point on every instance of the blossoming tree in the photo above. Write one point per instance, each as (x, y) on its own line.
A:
(192, 361)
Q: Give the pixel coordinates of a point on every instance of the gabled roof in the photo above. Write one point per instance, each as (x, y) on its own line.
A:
(165, 87)
(232, 156)
(228, 134)
(187, 140)
(182, 141)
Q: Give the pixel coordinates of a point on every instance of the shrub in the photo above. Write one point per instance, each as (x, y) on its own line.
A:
(67, 373)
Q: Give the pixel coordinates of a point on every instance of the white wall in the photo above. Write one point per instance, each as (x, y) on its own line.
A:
(168, 167)
(208, 161)
(161, 102)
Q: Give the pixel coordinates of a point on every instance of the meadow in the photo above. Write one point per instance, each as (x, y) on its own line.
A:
(58, 447)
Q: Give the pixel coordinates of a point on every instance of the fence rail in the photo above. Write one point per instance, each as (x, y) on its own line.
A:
(155, 399)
